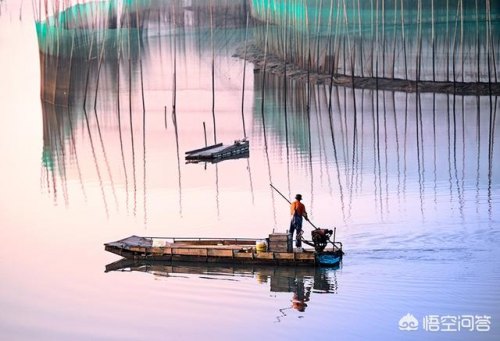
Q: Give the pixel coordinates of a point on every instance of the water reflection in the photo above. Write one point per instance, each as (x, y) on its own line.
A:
(400, 142)
(304, 284)
(124, 115)
(383, 144)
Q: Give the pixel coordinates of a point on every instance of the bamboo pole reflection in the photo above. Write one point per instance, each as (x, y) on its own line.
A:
(103, 194)
(334, 145)
(378, 143)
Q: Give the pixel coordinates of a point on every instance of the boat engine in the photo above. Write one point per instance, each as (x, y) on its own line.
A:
(320, 238)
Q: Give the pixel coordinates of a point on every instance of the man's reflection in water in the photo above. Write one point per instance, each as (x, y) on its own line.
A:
(302, 283)
(301, 294)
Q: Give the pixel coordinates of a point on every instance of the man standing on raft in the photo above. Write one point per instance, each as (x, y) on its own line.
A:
(297, 210)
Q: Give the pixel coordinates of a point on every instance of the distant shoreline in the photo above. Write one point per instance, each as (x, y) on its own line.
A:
(275, 66)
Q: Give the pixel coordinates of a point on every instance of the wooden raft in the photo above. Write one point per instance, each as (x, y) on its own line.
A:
(219, 152)
(208, 250)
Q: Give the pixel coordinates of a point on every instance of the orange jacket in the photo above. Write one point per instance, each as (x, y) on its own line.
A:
(298, 207)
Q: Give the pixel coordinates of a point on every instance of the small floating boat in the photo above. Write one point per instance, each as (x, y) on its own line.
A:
(219, 152)
(275, 250)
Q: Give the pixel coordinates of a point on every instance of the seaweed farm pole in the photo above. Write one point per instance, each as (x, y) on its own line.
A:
(348, 39)
(478, 44)
(491, 48)
(174, 118)
(383, 38)
(308, 43)
(418, 59)
(488, 46)
(454, 46)
(142, 83)
(264, 77)
(118, 107)
(337, 38)
(285, 57)
(243, 86)
(404, 39)
(120, 127)
(103, 193)
(70, 63)
(130, 113)
(462, 37)
(371, 48)
(144, 198)
(174, 94)
(433, 32)
(308, 105)
(394, 38)
(213, 68)
(488, 38)
(318, 25)
(88, 72)
(101, 56)
(447, 45)
(378, 44)
(205, 133)
(360, 41)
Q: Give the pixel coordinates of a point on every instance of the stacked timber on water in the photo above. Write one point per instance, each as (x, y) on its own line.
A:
(219, 152)
(280, 242)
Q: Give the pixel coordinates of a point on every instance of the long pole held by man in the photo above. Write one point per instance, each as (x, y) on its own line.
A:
(298, 213)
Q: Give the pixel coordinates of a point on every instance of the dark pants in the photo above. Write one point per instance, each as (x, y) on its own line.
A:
(296, 225)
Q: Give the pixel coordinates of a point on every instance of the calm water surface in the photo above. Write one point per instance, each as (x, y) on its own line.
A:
(411, 183)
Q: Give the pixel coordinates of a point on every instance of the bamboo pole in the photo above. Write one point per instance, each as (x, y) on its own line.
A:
(377, 43)
(454, 47)
(404, 40)
(447, 44)
(433, 42)
(101, 57)
(285, 85)
(383, 39)
(213, 69)
(118, 107)
(88, 73)
(348, 39)
(174, 78)
(394, 38)
(337, 39)
(492, 46)
(318, 26)
(462, 38)
(243, 85)
(418, 59)
(478, 42)
(372, 28)
(205, 133)
(361, 63)
(488, 37)
(130, 114)
(103, 193)
(264, 77)
(174, 118)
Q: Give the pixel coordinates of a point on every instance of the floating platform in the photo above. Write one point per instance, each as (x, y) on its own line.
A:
(219, 152)
(229, 251)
